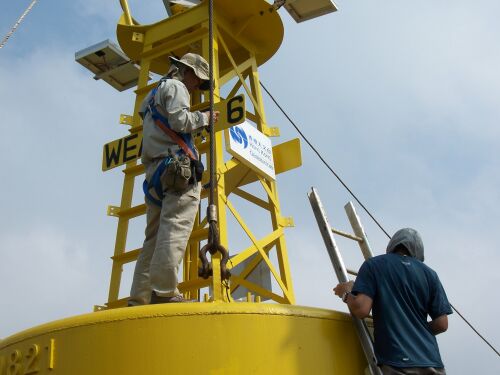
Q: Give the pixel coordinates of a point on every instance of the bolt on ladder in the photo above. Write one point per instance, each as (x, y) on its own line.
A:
(339, 267)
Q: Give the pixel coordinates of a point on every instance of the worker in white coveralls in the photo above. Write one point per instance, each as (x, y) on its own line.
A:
(173, 173)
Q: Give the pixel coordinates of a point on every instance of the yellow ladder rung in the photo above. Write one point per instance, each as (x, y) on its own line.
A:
(127, 257)
(128, 213)
(136, 170)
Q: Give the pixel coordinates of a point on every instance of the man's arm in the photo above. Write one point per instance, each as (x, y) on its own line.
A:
(360, 305)
(439, 307)
(439, 325)
(176, 100)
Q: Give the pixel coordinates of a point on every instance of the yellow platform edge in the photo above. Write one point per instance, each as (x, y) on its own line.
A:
(196, 338)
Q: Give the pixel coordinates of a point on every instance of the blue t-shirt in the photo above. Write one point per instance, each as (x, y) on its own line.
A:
(404, 292)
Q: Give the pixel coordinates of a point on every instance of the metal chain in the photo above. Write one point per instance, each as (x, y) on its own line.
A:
(9, 34)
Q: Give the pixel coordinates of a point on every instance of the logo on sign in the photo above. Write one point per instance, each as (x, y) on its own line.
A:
(239, 136)
(251, 147)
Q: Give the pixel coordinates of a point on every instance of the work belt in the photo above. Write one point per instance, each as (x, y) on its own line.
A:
(175, 172)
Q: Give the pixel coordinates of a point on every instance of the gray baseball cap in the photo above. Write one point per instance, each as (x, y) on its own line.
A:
(199, 66)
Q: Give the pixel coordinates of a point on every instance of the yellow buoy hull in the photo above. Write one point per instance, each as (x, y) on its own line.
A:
(197, 338)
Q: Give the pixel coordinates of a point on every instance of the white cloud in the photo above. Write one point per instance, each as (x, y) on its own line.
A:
(46, 276)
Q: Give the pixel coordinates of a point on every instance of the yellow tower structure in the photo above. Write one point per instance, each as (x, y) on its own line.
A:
(244, 37)
(218, 335)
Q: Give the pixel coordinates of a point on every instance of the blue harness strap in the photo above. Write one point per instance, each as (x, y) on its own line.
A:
(155, 183)
(145, 189)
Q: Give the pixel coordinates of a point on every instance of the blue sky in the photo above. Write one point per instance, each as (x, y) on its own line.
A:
(402, 99)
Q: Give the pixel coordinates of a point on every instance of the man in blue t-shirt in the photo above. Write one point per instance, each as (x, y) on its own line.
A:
(402, 291)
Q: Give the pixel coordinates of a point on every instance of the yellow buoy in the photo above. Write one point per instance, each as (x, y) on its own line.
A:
(197, 338)
(218, 336)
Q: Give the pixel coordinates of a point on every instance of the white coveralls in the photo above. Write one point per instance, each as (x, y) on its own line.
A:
(169, 226)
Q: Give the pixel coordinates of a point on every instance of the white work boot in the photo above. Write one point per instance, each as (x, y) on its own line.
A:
(178, 298)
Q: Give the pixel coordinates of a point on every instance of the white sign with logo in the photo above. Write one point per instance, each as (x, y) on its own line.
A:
(252, 148)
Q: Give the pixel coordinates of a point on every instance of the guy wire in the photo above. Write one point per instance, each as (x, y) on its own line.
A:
(361, 204)
(9, 34)
(323, 160)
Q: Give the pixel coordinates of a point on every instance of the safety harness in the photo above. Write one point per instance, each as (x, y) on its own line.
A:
(184, 140)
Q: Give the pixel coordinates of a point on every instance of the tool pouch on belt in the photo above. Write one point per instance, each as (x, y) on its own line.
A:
(198, 169)
(177, 174)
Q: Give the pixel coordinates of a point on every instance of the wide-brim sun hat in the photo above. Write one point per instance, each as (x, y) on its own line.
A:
(199, 66)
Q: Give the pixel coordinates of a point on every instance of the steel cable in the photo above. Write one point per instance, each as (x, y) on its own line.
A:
(361, 204)
(211, 77)
(9, 34)
(323, 160)
(213, 245)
